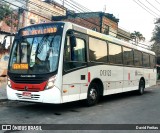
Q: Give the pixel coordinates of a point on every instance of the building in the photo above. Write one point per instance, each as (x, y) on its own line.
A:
(99, 21)
(123, 34)
(40, 12)
(5, 34)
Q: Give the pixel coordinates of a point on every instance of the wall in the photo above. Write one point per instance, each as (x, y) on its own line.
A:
(87, 22)
(41, 12)
(113, 26)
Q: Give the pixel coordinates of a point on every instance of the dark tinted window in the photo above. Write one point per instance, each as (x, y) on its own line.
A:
(137, 58)
(152, 61)
(115, 54)
(97, 50)
(127, 56)
(146, 60)
(74, 57)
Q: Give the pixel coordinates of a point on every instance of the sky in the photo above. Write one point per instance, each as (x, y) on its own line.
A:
(131, 16)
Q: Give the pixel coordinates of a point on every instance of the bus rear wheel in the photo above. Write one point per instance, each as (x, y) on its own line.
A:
(92, 95)
(141, 87)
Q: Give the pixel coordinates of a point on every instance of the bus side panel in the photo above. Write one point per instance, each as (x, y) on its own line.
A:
(147, 73)
(111, 76)
(130, 80)
(75, 85)
(152, 76)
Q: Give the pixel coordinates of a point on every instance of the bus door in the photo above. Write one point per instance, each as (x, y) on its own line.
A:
(75, 67)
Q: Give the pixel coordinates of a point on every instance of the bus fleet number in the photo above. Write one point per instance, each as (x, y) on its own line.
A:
(105, 72)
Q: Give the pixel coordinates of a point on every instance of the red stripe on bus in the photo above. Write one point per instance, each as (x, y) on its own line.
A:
(89, 77)
(28, 87)
(128, 76)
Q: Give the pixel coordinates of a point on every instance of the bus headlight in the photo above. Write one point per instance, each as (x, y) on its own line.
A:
(9, 82)
(50, 83)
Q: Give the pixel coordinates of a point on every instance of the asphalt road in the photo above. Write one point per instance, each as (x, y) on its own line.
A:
(127, 108)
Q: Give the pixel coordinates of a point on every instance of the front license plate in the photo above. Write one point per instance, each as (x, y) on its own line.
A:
(26, 95)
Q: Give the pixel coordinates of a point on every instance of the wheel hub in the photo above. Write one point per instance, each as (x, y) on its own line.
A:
(93, 94)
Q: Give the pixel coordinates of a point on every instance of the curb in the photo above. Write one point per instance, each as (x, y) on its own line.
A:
(3, 100)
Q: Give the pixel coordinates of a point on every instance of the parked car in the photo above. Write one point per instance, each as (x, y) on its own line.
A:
(4, 64)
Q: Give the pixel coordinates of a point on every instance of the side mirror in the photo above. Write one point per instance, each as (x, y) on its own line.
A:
(73, 41)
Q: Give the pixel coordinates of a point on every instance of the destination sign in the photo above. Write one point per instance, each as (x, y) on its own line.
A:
(30, 31)
(20, 66)
(40, 29)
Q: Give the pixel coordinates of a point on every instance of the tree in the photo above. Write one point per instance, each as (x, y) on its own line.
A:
(137, 37)
(5, 10)
(156, 42)
(156, 38)
(5, 15)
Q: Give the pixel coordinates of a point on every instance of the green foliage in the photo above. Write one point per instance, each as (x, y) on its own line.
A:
(137, 37)
(156, 38)
(5, 15)
(5, 10)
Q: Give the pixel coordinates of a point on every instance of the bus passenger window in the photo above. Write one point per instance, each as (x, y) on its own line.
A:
(152, 61)
(78, 52)
(74, 57)
(146, 60)
(127, 56)
(115, 54)
(137, 58)
(97, 50)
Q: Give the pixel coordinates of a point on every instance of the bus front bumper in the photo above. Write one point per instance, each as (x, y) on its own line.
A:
(47, 96)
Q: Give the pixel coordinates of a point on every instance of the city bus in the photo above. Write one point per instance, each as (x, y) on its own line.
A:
(60, 62)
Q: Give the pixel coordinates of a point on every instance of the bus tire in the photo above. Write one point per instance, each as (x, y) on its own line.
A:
(141, 87)
(92, 95)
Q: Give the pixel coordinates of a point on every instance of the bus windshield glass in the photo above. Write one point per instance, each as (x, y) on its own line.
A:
(37, 49)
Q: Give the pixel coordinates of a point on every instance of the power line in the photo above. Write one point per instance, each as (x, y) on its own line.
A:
(81, 6)
(75, 7)
(20, 1)
(148, 8)
(26, 9)
(145, 9)
(39, 6)
(152, 6)
(70, 5)
(157, 2)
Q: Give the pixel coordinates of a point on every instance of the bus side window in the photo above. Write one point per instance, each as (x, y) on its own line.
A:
(74, 56)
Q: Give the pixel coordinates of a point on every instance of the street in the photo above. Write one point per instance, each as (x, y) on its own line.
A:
(127, 108)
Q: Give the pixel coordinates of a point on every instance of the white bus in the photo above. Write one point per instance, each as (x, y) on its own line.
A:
(61, 62)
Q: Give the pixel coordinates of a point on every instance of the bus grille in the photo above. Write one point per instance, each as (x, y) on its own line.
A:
(28, 80)
(33, 96)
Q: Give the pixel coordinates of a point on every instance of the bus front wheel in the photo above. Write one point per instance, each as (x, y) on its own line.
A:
(92, 95)
(141, 87)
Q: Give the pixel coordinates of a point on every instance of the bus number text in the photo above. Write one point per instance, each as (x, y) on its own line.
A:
(105, 72)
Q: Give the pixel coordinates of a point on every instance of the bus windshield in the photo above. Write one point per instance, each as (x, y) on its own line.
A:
(36, 53)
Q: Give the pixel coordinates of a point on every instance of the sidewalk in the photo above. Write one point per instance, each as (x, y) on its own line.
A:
(3, 95)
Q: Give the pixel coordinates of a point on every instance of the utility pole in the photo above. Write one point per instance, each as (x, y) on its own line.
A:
(20, 11)
(63, 3)
(11, 28)
(26, 14)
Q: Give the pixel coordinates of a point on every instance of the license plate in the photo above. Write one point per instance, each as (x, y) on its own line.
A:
(26, 95)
